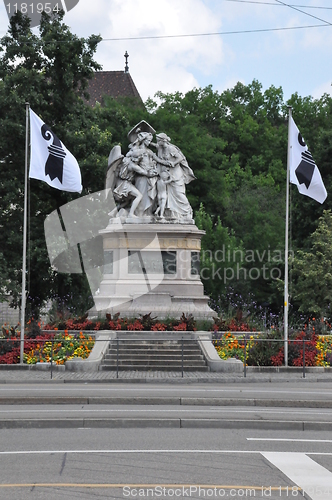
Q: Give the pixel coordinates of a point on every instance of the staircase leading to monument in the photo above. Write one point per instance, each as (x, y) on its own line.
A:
(154, 354)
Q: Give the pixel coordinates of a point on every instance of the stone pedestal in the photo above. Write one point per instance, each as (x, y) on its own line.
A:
(151, 268)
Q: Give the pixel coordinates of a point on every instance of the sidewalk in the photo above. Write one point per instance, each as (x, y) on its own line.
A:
(264, 400)
(26, 375)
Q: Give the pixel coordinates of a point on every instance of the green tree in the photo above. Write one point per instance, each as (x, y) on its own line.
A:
(313, 270)
(50, 71)
(236, 143)
(221, 253)
(313, 118)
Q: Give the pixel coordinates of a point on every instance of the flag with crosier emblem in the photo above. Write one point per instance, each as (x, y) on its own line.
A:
(50, 160)
(303, 169)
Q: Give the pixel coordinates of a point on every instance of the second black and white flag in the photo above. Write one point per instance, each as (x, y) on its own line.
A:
(303, 169)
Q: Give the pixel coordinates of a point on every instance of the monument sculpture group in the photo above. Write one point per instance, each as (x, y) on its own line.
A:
(149, 186)
(151, 244)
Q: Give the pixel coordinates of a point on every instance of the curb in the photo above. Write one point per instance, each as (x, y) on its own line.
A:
(170, 380)
(170, 401)
(174, 423)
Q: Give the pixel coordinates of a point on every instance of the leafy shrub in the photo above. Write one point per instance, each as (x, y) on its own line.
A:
(329, 358)
(230, 346)
(268, 349)
(145, 322)
(264, 349)
(236, 324)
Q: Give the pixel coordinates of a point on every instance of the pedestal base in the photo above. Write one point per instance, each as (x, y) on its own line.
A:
(160, 305)
(152, 268)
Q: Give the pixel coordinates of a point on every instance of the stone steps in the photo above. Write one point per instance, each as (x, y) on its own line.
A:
(161, 355)
(142, 344)
(153, 362)
(157, 355)
(160, 367)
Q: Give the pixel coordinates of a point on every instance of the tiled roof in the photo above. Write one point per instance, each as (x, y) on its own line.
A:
(111, 83)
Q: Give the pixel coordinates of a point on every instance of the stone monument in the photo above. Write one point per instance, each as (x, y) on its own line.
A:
(151, 244)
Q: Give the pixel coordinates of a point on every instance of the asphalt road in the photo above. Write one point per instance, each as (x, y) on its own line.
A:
(164, 416)
(291, 391)
(164, 463)
(134, 440)
(285, 406)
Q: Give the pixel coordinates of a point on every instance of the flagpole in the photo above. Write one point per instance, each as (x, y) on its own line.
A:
(286, 242)
(25, 221)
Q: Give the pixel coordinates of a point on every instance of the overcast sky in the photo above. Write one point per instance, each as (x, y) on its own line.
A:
(298, 60)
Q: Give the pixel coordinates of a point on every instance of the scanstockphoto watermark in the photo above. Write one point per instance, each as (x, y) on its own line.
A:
(34, 8)
(227, 264)
(239, 273)
(228, 255)
(187, 492)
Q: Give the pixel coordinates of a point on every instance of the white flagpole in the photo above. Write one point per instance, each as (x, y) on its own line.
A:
(25, 221)
(286, 242)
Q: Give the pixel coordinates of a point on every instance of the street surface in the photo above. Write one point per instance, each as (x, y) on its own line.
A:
(291, 406)
(115, 441)
(163, 415)
(164, 463)
(291, 391)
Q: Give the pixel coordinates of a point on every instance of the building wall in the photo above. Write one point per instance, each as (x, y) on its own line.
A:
(8, 314)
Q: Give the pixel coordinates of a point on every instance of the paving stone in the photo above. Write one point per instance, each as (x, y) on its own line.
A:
(22, 376)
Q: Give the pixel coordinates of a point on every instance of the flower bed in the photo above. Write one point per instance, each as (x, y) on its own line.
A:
(324, 348)
(268, 350)
(144, 323)
(261, 350)
(231, 346)
(43, 347)
(64, 346)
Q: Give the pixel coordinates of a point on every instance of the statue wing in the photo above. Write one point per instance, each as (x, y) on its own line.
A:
(114, 160)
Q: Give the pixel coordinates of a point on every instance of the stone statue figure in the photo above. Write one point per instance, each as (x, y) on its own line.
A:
(148, 186)
(124, 187)
(181, 173)
(162, 195)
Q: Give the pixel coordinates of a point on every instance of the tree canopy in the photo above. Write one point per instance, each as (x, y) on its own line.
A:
(50, 71)
(313, 271)
(235, 141)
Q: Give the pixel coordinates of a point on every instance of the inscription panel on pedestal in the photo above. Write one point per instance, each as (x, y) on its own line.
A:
(108, 262)
(151, 262)
(195, 263)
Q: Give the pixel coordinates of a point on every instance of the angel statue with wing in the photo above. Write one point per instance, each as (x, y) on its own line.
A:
(133, 178)
(124, 171)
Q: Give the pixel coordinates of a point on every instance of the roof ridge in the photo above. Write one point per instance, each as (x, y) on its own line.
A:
(131, 81)
(115, 83)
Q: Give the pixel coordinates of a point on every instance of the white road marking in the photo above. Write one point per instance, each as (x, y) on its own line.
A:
(180, 409)
(243, 452)
(312, 478)
(36, 452)
(165, 389)
(292, 440)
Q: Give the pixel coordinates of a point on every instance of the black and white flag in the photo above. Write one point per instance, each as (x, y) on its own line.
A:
(303, 169)
(50, 160)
